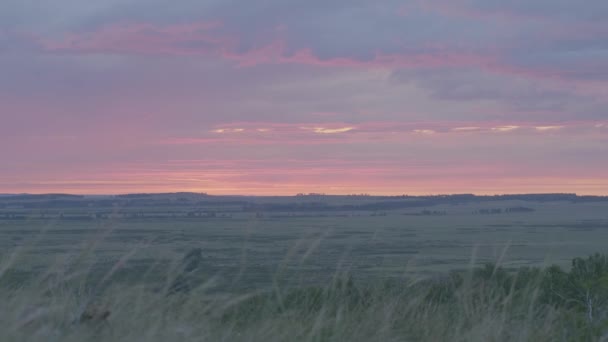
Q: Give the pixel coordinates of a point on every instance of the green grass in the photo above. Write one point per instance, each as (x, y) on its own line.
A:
(487, 303)
(372, 247)
(361, 278)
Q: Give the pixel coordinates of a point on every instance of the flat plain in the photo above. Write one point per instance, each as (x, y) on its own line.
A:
(247, 247)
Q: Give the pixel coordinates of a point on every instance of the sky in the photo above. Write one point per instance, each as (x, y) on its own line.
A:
(278, 97)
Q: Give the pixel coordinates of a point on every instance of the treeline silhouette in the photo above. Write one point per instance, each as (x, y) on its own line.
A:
(313, 202)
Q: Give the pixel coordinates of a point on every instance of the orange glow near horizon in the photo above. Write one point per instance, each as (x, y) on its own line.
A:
(331, 181)
(375, 158)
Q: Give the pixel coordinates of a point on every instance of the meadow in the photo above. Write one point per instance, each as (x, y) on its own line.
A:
(74, 272)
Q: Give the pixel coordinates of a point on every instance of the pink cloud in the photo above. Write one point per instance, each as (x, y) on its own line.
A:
(205, 39)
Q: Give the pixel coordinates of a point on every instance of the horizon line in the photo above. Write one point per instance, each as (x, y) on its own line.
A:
(305, 194)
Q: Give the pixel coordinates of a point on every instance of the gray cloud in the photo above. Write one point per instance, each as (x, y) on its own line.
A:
(519, 94)
(595, 10)
(514, 62)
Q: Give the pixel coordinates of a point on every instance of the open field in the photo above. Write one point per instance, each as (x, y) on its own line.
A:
(272, 269)
(250, 249)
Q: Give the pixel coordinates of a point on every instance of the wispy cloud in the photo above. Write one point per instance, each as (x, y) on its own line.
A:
(228, 130)
(424, 131)
(204, 38)
(325, 130)
(466, 129)
(505, 128)
(265, 133)
(548, 128)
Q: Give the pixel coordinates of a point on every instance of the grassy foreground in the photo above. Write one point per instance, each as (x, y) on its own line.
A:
(482, 304)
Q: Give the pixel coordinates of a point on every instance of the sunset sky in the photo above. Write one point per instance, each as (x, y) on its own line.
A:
(283, 96)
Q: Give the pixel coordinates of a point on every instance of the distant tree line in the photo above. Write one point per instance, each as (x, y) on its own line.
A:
(493, 211)
(316, 201)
